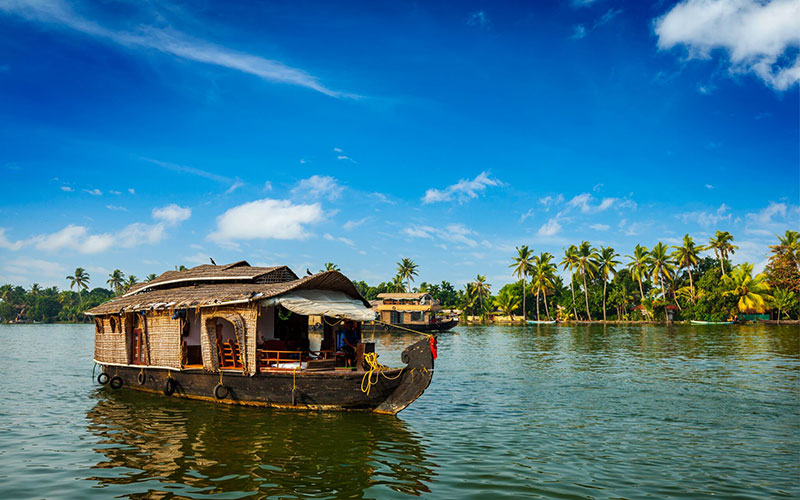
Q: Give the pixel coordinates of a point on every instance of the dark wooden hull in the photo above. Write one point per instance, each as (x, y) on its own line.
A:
(391, 391)
(422, 328)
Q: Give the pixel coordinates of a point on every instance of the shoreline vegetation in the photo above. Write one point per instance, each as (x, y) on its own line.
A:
(649, 286)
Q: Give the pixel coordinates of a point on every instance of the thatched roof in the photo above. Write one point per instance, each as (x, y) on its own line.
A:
(238, 272)
(213, 286)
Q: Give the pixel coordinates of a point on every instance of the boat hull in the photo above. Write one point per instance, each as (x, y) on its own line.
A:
(336, 390)
(532, 322)
(399, 327)
(695, 322)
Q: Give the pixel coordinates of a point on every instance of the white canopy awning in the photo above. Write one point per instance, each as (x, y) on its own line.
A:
(323, 303)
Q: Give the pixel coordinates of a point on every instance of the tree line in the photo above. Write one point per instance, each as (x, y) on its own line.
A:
(646, 284)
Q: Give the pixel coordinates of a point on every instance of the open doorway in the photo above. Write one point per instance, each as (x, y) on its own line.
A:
(191, 352)
(228, 349)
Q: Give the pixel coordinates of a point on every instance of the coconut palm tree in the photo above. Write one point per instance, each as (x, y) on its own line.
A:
(607, 266)
(481, 288)
(79, 280)
(790, 244)
(685, 256)
(116, 280)
(752, 292)
(522, 267)
(36, 289)
(132, 280)
(330, 266)
(507, 302)
(783, 300)
(587, 264)
(722, 245)
(570, 263)
(397, 284)
(150, 277)
(407, 269)
(639, 264)
(542, 279)
(661, 266)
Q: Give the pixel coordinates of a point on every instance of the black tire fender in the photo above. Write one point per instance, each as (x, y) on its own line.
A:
(220, 391)
(169, 387)
(141, 377)
(115, 382)
(103, 378)
(386, 327)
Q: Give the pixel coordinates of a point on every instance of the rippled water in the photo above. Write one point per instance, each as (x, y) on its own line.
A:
(537, 412)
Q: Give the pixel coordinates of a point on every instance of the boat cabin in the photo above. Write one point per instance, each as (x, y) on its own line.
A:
(407, 308)
(235, 317)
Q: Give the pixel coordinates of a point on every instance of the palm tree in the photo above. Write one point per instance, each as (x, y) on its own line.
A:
(115, 280)
(407, 269)
(522, 267)
(330, 266)
(132, 280)
(790, 244)
(35, 289)
(607, 265)
(570, 262)
(507, 302)
(783, 300)
(80, 280)
(753, 292)
(150, 277)
(686, 256)
(722, 246)
(397, 284)
(481, 288)
(180, 268)
(661, 266)
(543, 276)
(639, 264)
(587, 263)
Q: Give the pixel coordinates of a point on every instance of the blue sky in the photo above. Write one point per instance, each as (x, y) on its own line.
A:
(144, 135)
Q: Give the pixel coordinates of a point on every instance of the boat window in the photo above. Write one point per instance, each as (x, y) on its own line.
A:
(113, 322)
(98, 325)
(416, 316)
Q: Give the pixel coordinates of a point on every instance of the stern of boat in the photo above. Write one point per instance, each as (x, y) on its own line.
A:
(416, 377)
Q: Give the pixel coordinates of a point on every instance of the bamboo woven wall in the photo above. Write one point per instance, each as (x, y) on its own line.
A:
(110, 346)
(163, 340)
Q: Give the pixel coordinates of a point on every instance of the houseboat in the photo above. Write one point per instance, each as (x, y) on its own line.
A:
(409, 311)
(238, 334)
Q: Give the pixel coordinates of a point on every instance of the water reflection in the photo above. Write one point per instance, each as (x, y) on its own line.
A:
(192, 450)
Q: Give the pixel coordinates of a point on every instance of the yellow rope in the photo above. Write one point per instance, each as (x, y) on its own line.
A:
(391, 325)
(375, 368)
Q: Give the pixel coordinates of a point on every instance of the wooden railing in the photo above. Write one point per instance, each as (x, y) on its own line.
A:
(267, 359)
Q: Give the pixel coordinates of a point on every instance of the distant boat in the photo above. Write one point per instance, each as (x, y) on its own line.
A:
(419, 312)
(695, 322)
(536, 322)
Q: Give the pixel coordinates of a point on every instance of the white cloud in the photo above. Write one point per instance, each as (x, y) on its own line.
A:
(267, 186)
(172, 214)
(526, 215)
(75, 238)
(168, 41)
(549, 228)
(8, 245)
(600, 227)
(236, 185)
(578, 32)
(462, 191)
(581, 201)
(198, 259)
(758, 36)
(131, 191)
(346, 241)
(93, 192)
(550, 201)
(114, 192)
(459, 233)
(773, 219)
(352, 224)
(266, 219)
(709, 186)
(27, 267)
(420, 231)
(319, 186)
(705, 218)
(338, 150)
(345, 157)
(116, 208)
(67, 189)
